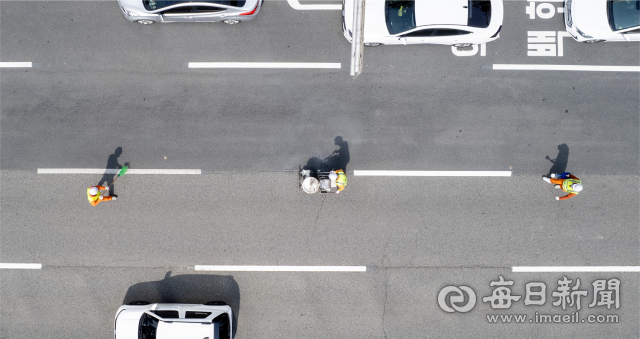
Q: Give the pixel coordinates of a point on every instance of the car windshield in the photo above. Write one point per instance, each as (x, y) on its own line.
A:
(147, 327)
(623, 14)
(479, 13)
(152, 5)
(400, 16)
(221, 327)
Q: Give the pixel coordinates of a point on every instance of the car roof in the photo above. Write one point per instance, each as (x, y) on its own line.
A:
(439, 12)
(184, 330)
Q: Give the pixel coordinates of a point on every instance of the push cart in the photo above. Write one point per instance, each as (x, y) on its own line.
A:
(312, 181)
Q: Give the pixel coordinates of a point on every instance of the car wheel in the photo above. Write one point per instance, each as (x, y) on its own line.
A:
(231, 22)
(592, 41)
(463, 45)
(145, 22)
(216, 303)
(372, 44)
(139, 302)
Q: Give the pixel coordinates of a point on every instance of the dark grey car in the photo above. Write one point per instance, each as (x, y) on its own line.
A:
(228, 11)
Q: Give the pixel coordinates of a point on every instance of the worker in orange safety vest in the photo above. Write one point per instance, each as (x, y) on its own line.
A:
(95, 196)
(340, 178)
(571, 184)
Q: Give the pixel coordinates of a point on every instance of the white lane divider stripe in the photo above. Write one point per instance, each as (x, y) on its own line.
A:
(296, 5)
(433, 173)
(257, 268)
(264, 65)
(537, 269)
(532, 67)
(20, 266)
(115, 171)
(16, 64)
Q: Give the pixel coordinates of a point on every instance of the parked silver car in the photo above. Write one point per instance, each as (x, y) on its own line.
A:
(228, 11)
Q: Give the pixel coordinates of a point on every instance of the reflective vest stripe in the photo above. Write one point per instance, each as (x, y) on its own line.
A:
(93, 197)
(567, 183)
(342, 178)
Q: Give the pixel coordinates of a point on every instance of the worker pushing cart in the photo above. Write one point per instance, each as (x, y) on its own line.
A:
(312, 181)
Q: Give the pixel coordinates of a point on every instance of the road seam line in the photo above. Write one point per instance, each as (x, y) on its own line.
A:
(258, 268)
(593, 68)
(537, 269)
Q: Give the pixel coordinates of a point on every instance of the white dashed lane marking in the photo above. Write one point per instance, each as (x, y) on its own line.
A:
(115, 171)
(264, 65)
(20, 266)
(296, 5)
(16, 64)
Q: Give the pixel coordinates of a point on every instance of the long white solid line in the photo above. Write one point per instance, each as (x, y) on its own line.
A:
(257, 268)
(537, 269)
(532, 67)
(16, 64)
(115, 171)
(263, 65)
(433, 173)
(296, 5)
(20, 266)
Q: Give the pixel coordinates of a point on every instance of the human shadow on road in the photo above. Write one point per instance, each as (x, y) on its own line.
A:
(189, 289)
(339, 159)
(561, 160)
(112, 163)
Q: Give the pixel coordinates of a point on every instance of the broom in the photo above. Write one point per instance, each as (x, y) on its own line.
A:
(121, 173)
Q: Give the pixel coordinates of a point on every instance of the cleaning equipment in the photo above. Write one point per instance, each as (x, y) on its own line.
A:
(121, 173)
(563, 175)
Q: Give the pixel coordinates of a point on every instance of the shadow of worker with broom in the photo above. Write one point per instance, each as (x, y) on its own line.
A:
(340, 157)
(111, 171)
(335, 161)
(561, 160)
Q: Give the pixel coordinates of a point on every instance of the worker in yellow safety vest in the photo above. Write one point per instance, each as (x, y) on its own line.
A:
(340, 178)
(571, 185)
(95, 196)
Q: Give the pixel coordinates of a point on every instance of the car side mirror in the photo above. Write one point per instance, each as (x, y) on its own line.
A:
(403, 40)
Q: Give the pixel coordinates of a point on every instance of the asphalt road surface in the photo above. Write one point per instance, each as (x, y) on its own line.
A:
(100, 83)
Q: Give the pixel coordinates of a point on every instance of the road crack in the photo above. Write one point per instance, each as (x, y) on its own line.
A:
(315, 223)
(384, 307)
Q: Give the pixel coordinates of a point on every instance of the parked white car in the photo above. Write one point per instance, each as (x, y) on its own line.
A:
(140, 320)
(602, 20)
(444, 22)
